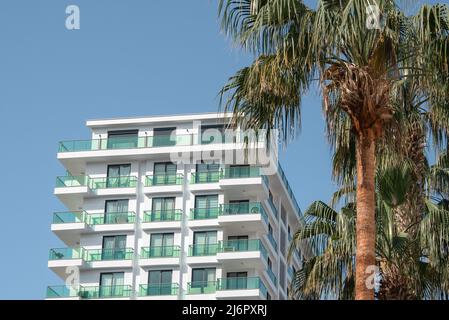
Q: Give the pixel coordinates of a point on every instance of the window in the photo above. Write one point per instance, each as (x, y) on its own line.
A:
(268, 296)
(204, 243)
(270, 265)
(162, 137)
(111, 284)
(236, 280)
(206, 207)
(239, 171)
(237, 243)
(114, 247)
(207, 172)
(203, 280)
(116, 211)
(165, 205)
(164, 173)
(161, 244)
(159, 282)
(212, 134)
(118, 175)
(123, 139)
(238, 207)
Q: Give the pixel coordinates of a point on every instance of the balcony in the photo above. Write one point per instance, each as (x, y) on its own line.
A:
(203, 253)
(109, 254)
(105, 292)
(205, 177)
(164, 183)
(72, 189)
(240, 172)
(241, 288)
(289, 190)
(125, 143)
(61, 258)
(242, 253)
(164, 179)
(113, 182)
(162, 219)
(251, 215)
(62, 292)
(204, 213)
(95, 219)
(160, 255)
(161, 291)
(68, 226)
(204, 217)
(201, 287)
(272, 277)
(203, 249)
(69, 217)
(110, 258)
(162, 251)
(162, 215)
(273, 242)
(273, 209)
(244, 180)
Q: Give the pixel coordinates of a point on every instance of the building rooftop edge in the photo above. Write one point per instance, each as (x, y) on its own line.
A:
(157, 118)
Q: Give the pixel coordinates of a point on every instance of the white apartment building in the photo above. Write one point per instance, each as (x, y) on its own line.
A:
(140, 225)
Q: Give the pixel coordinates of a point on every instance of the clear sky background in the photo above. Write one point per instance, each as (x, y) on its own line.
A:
(130, 58)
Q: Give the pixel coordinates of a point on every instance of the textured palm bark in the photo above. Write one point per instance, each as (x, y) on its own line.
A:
(366, 223)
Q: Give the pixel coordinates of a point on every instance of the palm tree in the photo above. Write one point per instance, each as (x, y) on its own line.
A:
(358, 69)
(419, 265)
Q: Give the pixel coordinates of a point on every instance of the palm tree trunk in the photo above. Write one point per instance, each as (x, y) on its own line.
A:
(365, 224)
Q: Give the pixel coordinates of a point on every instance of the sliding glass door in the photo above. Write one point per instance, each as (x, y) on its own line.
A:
(111, 284)
(116, 211)
(163, 209)
(161, 244)
(159, 282)
(118, 175)
(164, 173)
(114, 248)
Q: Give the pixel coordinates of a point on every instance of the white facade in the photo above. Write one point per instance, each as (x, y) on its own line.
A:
(175, 231)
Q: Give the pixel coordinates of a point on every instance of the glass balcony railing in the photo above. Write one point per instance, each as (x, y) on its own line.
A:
(164, 180)
(126, 143)
(273, 207)
(113, 182)
(54, 292)
(160, 252)
(241, 283)
(117, 291)
(203, 249)
(272, 241)
(165, 215)
(71, 181)
(65, 253)
(69, 217)
(160, 289)
(272, 277)
(111, 218)
(289, 189)
(243, 245)
(204, 213)
(244, 208)
(240, 172)
(201, 287)
(109, 254)
(205, 177)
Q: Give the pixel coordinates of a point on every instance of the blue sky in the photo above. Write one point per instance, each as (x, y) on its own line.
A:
(130, 58)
